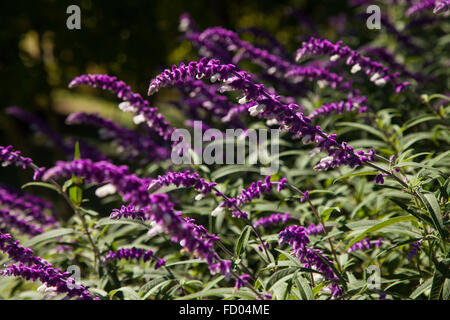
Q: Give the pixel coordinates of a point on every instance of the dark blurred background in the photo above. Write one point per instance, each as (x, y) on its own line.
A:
(133, 40)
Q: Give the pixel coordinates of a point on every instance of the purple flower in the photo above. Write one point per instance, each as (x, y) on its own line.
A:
(379, 74)
(268, 106)
(314, 230)
(415, 249)
(134, 143)
(353, 102)
(296, 237)
(35, 268)
(242, 281)
(422, 5)
(185, 179)
(127, 254)
(29, 205)
(365, 244)
(50, 276)
(18, 253)
(8, 156)
(379, 178)
(157, 207)
(128, 212)
(272, 220)
(12, 220)
(305, 196)
(133, 102)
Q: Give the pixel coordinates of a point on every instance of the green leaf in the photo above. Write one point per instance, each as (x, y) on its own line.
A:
(278, 276)
(40, 184)
(243, 240)
(47, 236)
(421, 289)
(128, 293)
(379, 226)
(303, 287)
(437, 285)
(106, 221)
(435, 212)
(227, 170)
(364, 127)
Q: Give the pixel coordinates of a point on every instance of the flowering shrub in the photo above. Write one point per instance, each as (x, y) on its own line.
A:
(363, 180)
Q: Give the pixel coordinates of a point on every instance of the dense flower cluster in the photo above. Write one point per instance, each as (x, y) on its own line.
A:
(296, 237)
(34, 268)
(135, 254)
(131, 143)
(12, 220)
(133, 102)
(365, 244)
(274, 64)
(31, 206)
(255, 191)
(67, 146)
(268, 106)
(379, 74)
(128, 212)
(18, 253)
(272, 220)
(185, 179)
(357, 102)
(52, 277)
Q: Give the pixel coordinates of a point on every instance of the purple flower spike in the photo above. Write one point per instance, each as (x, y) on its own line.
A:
(422, 5)
(134, 143)
(12, 220)
(272, 220)
(133, 102)
(415, 249)
(128, 254)
(296, 237)
(8, 156)
(34, 268)
(379, 179)
(315, 230)
(379, 74)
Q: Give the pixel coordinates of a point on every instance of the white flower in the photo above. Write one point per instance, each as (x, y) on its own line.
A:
(271, 122)
(215, 77)
(334, 57)
(322, 83)
(208, 105)
(105, 190)
(355, 68)
(155, 230)
(217, 211)
(152, 89)
(199, 76)
(255, 110)
(243, 100)
(184, 24)
(139, 119)
(126, 107)
(199, 197)
(374, 77)
(272, 70)
(225, 88)
(380, 82)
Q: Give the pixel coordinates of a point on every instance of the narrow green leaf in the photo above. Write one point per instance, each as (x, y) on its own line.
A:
(40, 184)
(377, 227)
(242, 241)
(47, 236)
